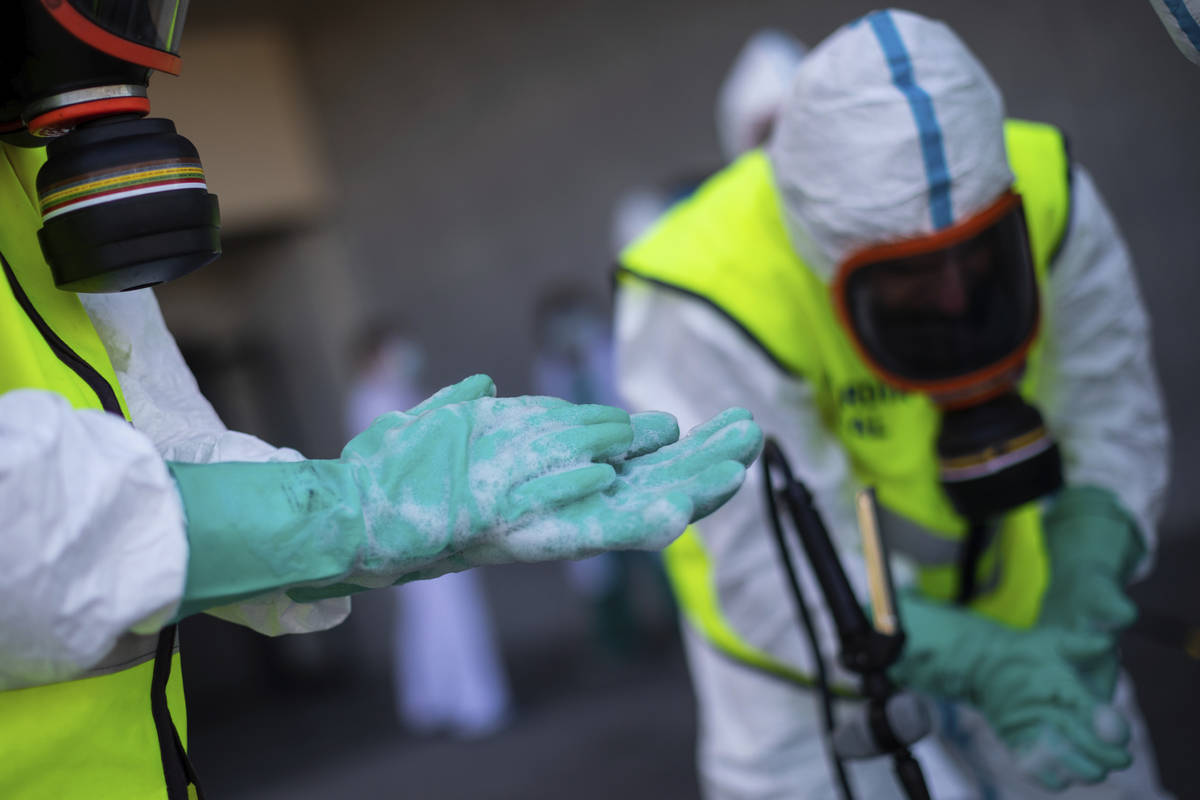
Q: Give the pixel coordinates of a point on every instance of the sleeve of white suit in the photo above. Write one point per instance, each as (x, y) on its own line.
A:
(1103, 401)
(678, 354)
(166, 405)
(93, 542)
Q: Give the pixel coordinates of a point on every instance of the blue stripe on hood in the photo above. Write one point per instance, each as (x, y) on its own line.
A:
(1187, 23)
(932, 149)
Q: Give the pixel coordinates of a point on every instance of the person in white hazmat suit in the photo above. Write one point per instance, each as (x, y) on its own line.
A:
(898, 261)
(127, 503)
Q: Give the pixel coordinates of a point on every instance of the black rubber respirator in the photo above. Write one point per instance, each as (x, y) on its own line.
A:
(953, 315)
(123, 198)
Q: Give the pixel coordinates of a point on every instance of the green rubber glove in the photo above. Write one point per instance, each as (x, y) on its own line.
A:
(659, 488)
(1024, 682)
(462, 471)
(1093, 547)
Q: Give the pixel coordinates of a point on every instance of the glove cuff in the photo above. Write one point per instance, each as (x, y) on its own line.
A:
(1111, 541)
(933, 630)
(255, 528)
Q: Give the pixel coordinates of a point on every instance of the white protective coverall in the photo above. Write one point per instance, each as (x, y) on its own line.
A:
(847, 156)
(89, 505)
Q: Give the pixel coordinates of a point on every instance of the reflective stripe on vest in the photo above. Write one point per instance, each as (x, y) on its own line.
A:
(728, 246)
(96, 736)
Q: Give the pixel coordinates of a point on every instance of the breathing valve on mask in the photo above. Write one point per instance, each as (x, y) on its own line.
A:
(123, 198)
(995, 456)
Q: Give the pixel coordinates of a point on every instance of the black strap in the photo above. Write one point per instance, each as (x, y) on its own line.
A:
(62, 351)
(1066, 230)
(177, 767)
(968, 564)
(715, 306)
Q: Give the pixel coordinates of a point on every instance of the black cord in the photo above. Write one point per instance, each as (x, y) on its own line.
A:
(772, 454)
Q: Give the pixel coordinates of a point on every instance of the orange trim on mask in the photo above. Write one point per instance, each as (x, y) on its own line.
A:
(107, 42)
(948, 393)
(61, 120)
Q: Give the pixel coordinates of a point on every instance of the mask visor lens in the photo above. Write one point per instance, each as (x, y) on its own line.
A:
(157, 24)
(945, 313)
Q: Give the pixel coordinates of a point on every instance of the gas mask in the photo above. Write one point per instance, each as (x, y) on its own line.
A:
(123, 198)
(953, 315)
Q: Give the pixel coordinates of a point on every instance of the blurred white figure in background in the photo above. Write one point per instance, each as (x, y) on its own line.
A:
(447, 673)
(747, 105)
(755, 89)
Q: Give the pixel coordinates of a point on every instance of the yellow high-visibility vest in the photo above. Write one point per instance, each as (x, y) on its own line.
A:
(728, 245)
(110, 734)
